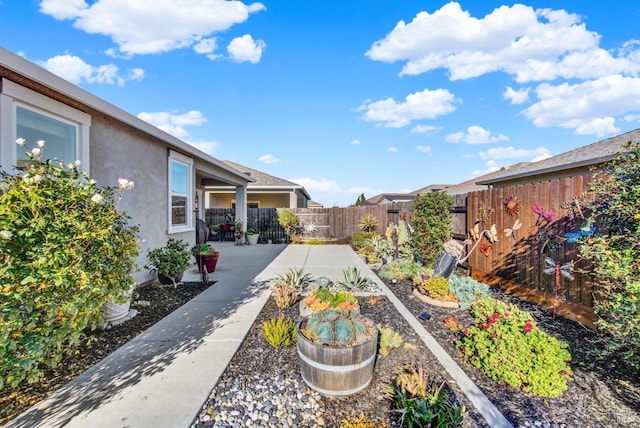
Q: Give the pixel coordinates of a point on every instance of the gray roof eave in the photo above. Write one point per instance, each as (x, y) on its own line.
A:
(38, 74)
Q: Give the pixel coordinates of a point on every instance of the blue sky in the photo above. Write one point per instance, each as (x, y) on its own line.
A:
(351, 97)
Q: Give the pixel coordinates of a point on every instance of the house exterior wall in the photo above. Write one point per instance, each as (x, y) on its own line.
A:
(265, 200)
(118, 151)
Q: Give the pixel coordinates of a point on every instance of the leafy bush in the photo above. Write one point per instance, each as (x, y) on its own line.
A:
(422, 402)
(467, 290)
(508, 347)
(65, 249)
(170, 260)
(432, 225)
(361, 239)
(279, 332)
(388, 339)
(288, 221)
(615, 255)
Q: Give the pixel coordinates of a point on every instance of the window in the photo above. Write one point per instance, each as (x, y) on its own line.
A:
(30, 115)
(180, 193)
(60, 136)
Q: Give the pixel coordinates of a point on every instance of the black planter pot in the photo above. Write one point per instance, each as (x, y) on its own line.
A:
(167, 281)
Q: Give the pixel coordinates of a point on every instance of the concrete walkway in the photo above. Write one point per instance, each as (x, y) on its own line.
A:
(161, 378)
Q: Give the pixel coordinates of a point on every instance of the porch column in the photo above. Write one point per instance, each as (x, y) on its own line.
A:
(241, 205)
(293, 199)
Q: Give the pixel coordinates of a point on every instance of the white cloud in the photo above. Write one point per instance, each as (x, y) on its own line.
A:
(424, 149)
(75, 70)
(392, 149)
(133, 26)
(245, 49)
(208, 147)
(356, 190)
(355, 142)
(588, 107)
(475, 135)
(268, 159)
(513, 153)
(205, 46)
(490, 166)
(174, 124)
(541, 44)
(425, 129)
(426, 104)
(516, 97)
(313, 185)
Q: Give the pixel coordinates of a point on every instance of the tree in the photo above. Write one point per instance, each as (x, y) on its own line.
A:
(361, 199)
(615, 251)
(432, 225)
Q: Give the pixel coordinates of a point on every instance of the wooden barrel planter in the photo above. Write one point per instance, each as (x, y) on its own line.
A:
(336, 371)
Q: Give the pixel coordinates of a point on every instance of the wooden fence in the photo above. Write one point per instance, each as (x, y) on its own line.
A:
(521, 258)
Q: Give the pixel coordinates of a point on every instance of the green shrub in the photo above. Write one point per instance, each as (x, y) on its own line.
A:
(65, 249)
(467, 290)
(421, 402)
(361, 239)
(279, 332)
(288, 221)
(509, 348)
(388, 339)
(615, 253)
(432, 225)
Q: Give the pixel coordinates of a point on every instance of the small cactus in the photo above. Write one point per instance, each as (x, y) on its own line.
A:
(335, 327)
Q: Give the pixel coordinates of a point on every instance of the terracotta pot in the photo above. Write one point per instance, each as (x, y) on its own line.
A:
(209, 260)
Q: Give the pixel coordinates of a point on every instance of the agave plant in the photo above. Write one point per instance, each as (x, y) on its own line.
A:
(296, 278)
(352, 279)
(335, 327)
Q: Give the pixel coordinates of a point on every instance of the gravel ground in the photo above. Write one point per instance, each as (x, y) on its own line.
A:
(262, 386)
(603, 393)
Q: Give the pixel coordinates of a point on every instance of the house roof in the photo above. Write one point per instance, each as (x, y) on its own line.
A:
(391, 197)
(591, 154)
(431, 188)
(472, 185)
(39, 75)
(264, 180)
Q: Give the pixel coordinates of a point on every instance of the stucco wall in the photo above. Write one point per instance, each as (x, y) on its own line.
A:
(118, 151)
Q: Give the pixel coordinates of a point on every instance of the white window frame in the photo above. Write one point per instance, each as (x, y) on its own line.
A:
(188, 162)
(13, 96)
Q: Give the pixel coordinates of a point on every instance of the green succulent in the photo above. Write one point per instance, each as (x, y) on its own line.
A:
(335, 327)
(352, 279)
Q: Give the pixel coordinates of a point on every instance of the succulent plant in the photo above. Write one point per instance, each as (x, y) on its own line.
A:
(295, 277)
(467, 290)
(335, 327)
(324, 282)
(352, 279)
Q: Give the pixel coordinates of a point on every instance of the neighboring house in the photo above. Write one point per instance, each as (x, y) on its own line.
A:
(572, 163)
(389, 198)
(314, 204)
(111, 143)
(265, 191)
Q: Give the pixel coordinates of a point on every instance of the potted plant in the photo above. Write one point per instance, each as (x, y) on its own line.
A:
(169, 261)
(337, 350)
(239, 232)
(215, 232)
(252, 236)
(206, 256)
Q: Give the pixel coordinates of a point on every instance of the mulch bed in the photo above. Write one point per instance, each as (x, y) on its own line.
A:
(602, 393)
(162, 301)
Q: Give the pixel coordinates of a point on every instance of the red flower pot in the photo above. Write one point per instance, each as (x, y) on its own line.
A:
(209, 260)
